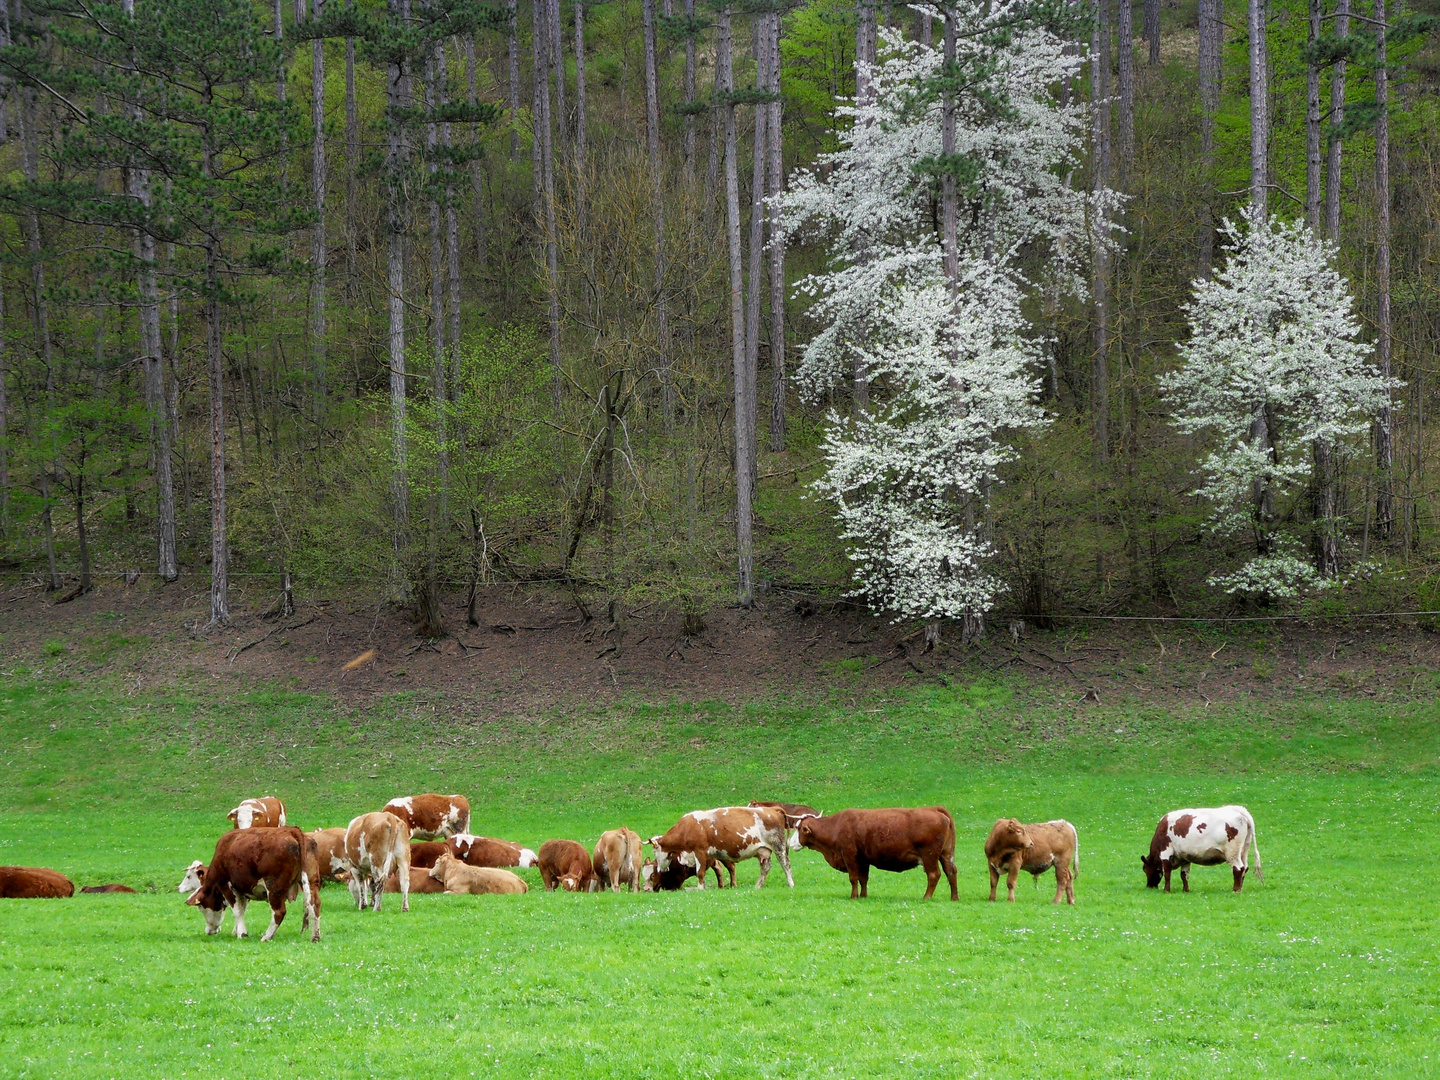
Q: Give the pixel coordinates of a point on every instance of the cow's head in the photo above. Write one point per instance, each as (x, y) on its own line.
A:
(793, 822)
(528, 858)
(1012, 833)
(442, 866)
(805, 834)
(572, 883)
(647, 875)
(1153, 870)
(662, 857)
(212, 903)
(193, 879)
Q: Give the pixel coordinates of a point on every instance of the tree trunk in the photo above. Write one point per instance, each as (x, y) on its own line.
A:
(1100, 285)
(1326, 534)
(744, 508)
(1261, 490)
(657, 205)
(1125, 11)
(1259, 109)
(865, 40)
(557, 62)
(1384, 427)
(759, 160)
(397, 221)
(545, 160)
(689, 144)
(512, 89)
(777, 246)
(82, 536)
(477, 166)
(1152, 30)
(1337, 117)
(319, 253)
(1209, 72)
(581, 148)
(439, 391)
(352, 160)
(4, 422)
(215, 362)
(1312, 124)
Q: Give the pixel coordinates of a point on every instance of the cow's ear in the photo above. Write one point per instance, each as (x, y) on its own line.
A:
(193, 900)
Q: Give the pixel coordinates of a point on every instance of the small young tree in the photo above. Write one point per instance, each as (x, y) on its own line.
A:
(1275, 345)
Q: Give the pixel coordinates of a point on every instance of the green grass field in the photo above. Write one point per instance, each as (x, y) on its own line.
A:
(1330, 968)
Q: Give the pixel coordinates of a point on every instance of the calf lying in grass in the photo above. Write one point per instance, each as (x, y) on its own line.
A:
(476, 880)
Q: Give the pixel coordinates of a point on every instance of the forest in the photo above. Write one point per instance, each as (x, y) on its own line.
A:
(964, 311)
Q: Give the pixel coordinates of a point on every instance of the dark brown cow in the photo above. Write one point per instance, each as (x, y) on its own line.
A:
(266, 813)
(1013, 847)
(727, 834)
(34, 883)
(675, 876)
(896, 839)
(281, 860)
(618, 858)
(565, 864)
(432, 817)
(424, 853)
(107, 889)
(487, 851)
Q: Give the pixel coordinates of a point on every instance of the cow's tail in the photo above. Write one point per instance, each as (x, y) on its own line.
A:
(1075, 857)
(949, 831)
(1255, 848)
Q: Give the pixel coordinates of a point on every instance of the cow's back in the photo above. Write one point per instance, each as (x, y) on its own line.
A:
(34, 883)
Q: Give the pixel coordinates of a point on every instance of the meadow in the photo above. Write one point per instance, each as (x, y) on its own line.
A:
(1328, 968)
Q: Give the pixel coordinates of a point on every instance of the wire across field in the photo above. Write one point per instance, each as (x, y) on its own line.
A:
(1327, 969)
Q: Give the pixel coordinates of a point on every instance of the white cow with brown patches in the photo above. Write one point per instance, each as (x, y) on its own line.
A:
(263, 813)
(432, 817)
(1205, 837)
(726, 834)
(376, 846)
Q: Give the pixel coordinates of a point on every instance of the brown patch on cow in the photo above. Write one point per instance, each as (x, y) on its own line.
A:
(1231, 832)
(34, 883)
(1182, 825)
(1202, 826)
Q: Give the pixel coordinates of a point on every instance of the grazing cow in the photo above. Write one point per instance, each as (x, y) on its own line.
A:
(376, 846)
(675, 876)
(458, 879)
(901, 839)
(420, 881)
(1207, 837)
(266, 813)
(487, 851)
(1013, 847)
(424, 853)
(107, 889)
(34, 883)
(432, 817)
(618, 858)
(726, 834)
(565, 864)
(277, 864)
(329, 852)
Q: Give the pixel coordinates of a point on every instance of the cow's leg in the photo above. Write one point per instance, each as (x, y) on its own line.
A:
(763, 858)
(702, 866)
(404, 874)
(947, 864)
(1012, 874)
(1167, 875)
(277, 915)
(784, 852)
(1184, 877)
(730, 868)
(864, 880)
(377, 891)
(932, 876)
(1239, 873)
(1059, 883)
(240, 930)
(854, 882)
(994, 881)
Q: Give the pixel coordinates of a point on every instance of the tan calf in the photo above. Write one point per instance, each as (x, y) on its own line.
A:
(618, 859)
(460, 879)
(1013, 847)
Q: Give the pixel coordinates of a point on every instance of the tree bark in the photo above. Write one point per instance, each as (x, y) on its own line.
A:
(512, 89)
(1259, 109)
(777, 246)
(657, 206)
(689, 144)
(545, 160)
(319, 253)
(1209, 73)
(865, 41)
(1152, 30)
(759, 159)
(1384, 427)
(4, 420)
(1326, 543)
(439, 391)
(581, 147)
(1337, 117)
(557, 62)
(1313, 197)
(352, 160)
(215, 364)
(397, 221)
(477, 168)
(744, 522)
(1100, 284)
(1126, 45)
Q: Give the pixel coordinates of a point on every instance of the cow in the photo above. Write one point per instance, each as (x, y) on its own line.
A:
(896, 839)
(432, 817)
(329, 852)
(793, 811)
(618, 858)
(280, 859)
(675, 876)
(1206, 837)
(107, 889)
(726, 834)
(565, 864)
(1013, 847)
(34, 883)
(424, 853)
(487, 851)
(193, 879)
(420, 881)
(459, 879)
(377, 845)
(266, 813)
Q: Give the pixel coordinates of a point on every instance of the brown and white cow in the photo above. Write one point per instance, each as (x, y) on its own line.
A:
(487, 851)
(96, 889)
(376, 846)
(1013, 847)
(424, 853)
(34, 883)
(277, 864)
(726, 834)
(675, 875)
(793, 811)
(896, 839)
(266, 813)
(1206, 837)
(618, 858)
(565, 864)
(329, 852)
(432, 817)
(458, 879)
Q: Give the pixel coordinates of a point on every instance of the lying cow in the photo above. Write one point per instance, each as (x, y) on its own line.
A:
(1208, 837)
(329, 852)
(420, 881)
(565, 864)
(618, 858)
(675, 876)
(266, 813)
(107, 889)
(727, 834)
(487, 851)
(900, 839)
(376, 846)
(34, 883)
(1013, 847)
(277, 864)
(431, 817)
(424, 853)
(458, 879)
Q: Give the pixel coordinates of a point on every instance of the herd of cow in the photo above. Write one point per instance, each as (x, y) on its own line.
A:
(423, 843)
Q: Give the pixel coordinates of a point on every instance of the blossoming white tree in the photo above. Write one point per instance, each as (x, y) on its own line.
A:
(928, 305)
(1275, 372)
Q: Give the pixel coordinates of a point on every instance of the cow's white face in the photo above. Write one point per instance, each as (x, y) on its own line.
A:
(193, 879)
(647, 872)
(662, 857)
(528, 858)
(794, 842)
